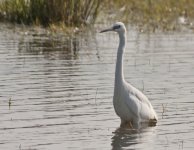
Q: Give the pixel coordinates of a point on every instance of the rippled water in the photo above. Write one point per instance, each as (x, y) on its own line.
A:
(56, 92)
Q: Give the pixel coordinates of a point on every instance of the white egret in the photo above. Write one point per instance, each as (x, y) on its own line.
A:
(130, 104)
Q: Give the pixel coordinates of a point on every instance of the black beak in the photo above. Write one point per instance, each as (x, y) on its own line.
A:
(106, 30)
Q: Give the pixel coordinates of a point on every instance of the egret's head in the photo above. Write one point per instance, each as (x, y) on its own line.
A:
(118, 27)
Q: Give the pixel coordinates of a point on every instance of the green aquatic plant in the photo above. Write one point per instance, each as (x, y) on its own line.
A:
(164, 109)
(46, 12)
(9, 103)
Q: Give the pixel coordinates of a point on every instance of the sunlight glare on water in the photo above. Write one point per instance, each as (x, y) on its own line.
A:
(56, 92)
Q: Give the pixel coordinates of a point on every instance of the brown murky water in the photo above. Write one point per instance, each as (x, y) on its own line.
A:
(60, 90)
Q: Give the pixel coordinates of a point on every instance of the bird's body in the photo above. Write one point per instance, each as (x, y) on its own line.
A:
(130, 104)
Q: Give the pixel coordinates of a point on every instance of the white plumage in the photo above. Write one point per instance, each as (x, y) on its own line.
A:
(130, 104)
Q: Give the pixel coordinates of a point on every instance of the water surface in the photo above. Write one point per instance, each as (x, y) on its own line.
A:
(60, 90)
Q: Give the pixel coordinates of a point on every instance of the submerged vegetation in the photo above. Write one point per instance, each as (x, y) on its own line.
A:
(163, 14)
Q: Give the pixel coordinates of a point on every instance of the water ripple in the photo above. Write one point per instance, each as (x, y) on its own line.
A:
(60, 90)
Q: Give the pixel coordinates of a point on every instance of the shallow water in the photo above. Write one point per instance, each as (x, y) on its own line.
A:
(56, 93)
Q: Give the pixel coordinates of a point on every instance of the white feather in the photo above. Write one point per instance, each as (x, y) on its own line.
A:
(130, 104)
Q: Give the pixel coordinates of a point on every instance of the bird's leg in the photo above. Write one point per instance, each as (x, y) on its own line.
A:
(126, 124)
(152, 122)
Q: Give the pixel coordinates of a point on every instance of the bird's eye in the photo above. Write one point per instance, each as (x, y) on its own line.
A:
(116, 27)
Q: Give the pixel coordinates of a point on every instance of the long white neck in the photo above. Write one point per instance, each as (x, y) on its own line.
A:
(119, 76)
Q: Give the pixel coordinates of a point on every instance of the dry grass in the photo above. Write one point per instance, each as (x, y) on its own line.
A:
(163, 14)
(151, 14)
